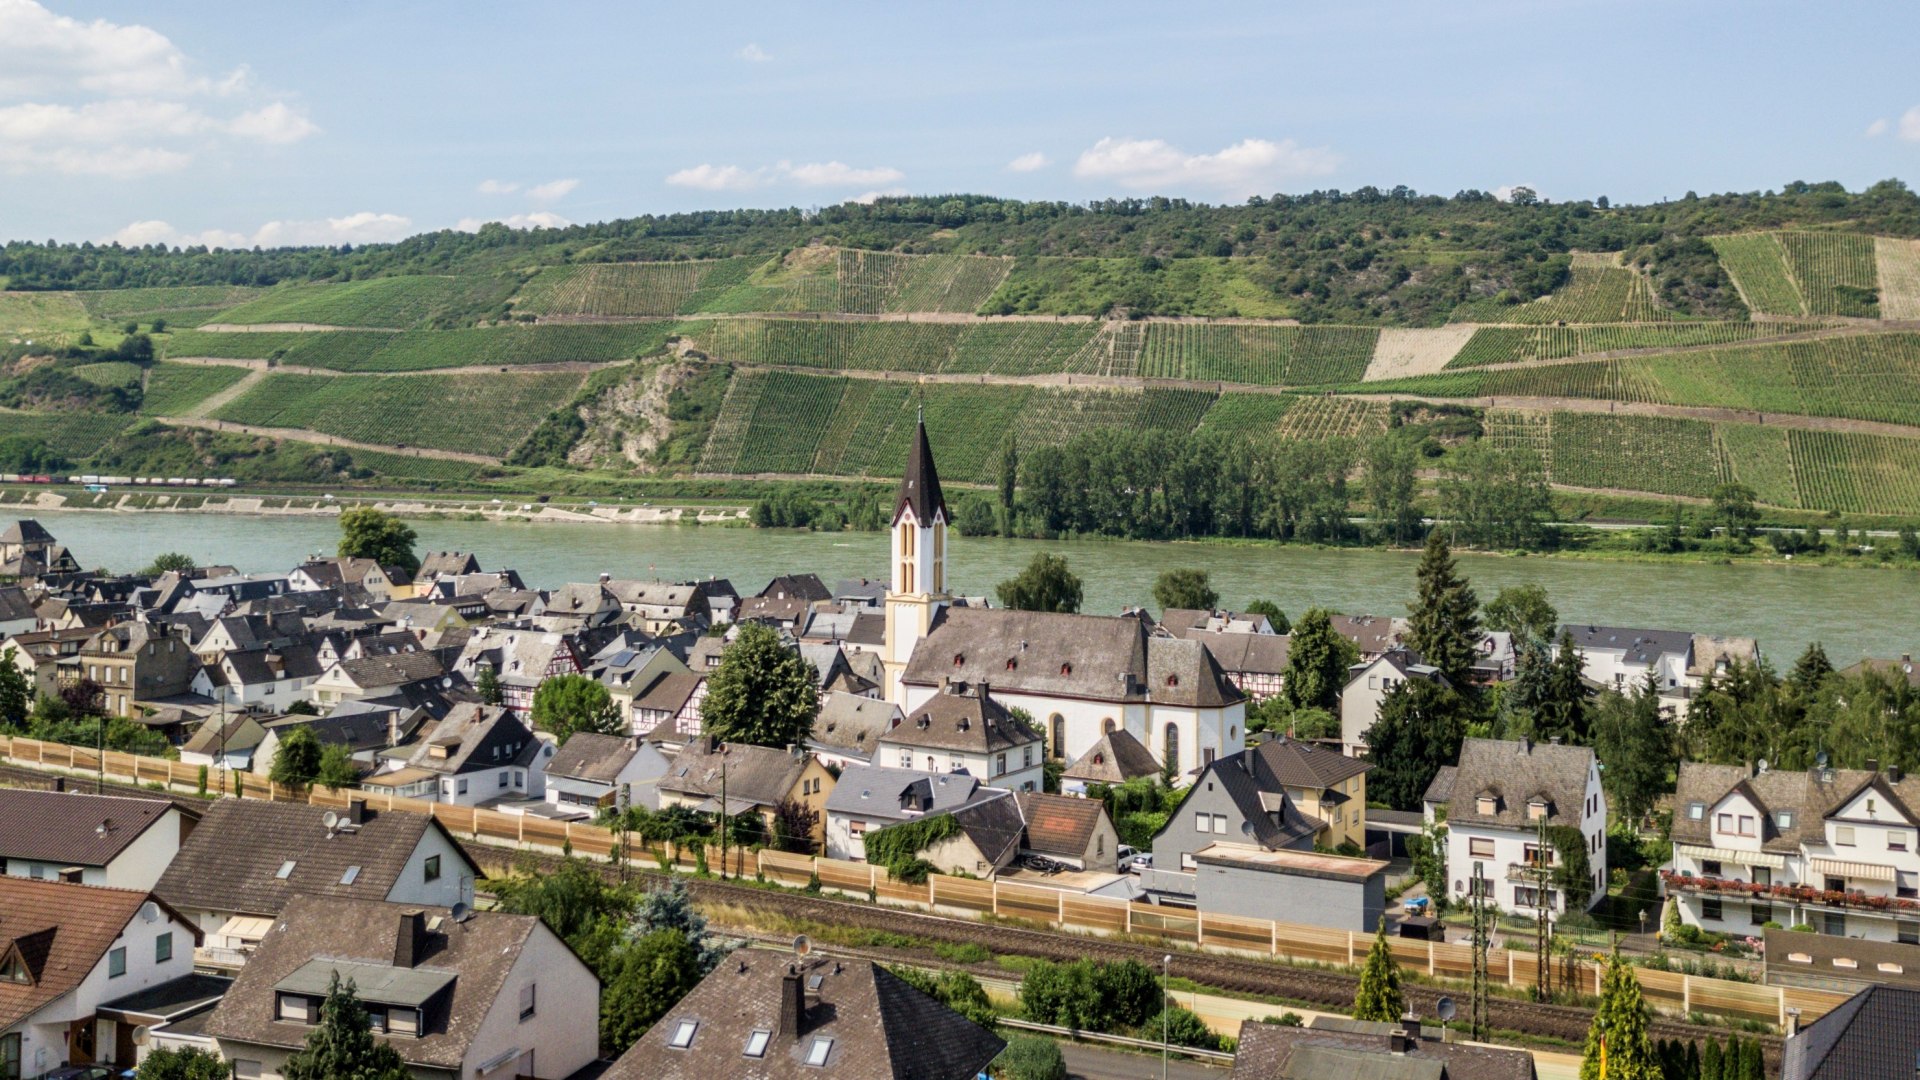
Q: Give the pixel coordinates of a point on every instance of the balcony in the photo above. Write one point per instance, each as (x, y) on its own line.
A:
(1530, 873)
(1796, 894)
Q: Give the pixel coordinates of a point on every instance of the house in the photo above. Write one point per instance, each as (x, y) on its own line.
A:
(1117, 758)
(849, 727)
(1873, 1035)
(1901, 670)
(16, 612)
(1083, 676)
(1622, 658)
(65, 950)
(455, 998)
(1069, 830)
(325, 575)
(29, 551)
(964, 728)
(37, 655)
(670, 704)
(1255, 663)
(266, 677)
(1368, 684)
(760, 1016)
(1186, 622)
(225, 742)
(659, 607)
(1498, 802)
(589, 770)
(1269, 1051)
(475, 755)
(1835, 849)
(365, 728)
(581, 605)
(131, 662)
(1372, 635)
(379, 676)
(1240, 844)
(752, 779)
(123, 843)
(435, 565)
(869, 797)
(834, 672)
(987, 840)
(1322, 782)
(521, 660)
(249, 858)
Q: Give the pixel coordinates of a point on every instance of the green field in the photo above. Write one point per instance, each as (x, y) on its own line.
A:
(1519, 344)
(1635, 453)
(1011, 348)
(1598, 292)
(1220, 287)
(631, 289)
(424, 350)
(180, 304)
(394, 303)
(480, 414)
(1757, 263)
(109, 373)
(174, 389)
(71, 434)
(1260, 355)
(1803, 273)
(41, 317)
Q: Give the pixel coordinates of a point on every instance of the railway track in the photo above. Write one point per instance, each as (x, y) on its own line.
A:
(1328, 989)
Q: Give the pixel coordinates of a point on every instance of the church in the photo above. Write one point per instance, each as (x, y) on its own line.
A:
(1080, 677)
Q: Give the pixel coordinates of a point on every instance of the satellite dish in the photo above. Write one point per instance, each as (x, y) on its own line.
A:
(802, 945)
(1820, 759)
(330, 820)
(458, 911)
(1763, 764)
(1246, 828)
(141, 1035)
(1445, 1009)
(149, 911)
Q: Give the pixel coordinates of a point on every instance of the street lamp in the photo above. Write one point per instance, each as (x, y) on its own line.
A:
(1165, 961)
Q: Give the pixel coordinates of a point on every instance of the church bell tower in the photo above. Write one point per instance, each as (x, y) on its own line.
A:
(917, 587)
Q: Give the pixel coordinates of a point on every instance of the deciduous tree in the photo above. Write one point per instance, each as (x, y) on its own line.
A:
(297, 761)
(1524, 612)
(1318, 662)
(367, 533)
(342, 1045)
(1045, 585)
(1185, 588)
(565, 704)
(762, 693)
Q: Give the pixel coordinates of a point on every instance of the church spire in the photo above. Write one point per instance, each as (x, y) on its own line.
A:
(920, 488)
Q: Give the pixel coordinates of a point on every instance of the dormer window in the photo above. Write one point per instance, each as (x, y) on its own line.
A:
(1066, 669)
(1173, 680)
(1012, 662)
(1537, 810)
(1487, 804)
(13, 969)
(959, 658)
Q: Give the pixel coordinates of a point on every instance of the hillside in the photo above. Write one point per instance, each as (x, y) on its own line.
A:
(1772, 341)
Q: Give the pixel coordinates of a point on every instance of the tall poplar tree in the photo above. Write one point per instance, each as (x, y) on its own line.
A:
(1317, 663)
(1443, 623)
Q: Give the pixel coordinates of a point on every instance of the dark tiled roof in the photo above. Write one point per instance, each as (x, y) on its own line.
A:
(1516, 773)
(65, 827)
(994, 825)
(1810, 796)
(1640, 646)
(1303, 764)
(1117, 758)
(26, 531)
(805, 588)
(232, 861)
(967, 720)
(759, 774)
(61, 930)
(669, 692)
(880, 1027)
(1873, 1035)
(1273, 1052)
(478, 953)
(1264, 654)
(1252, 794)
(1440, 791)
(896, 794)
(392, 669)
(1060, 824)
(852, 723)
(587, 755)
(920, 487)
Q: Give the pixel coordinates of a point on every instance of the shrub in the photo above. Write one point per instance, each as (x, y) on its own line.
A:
(1182, 1028)
(1030, 1057)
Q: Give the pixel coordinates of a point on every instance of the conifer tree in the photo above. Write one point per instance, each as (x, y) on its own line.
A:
(1710, 1061)
(343, 1044)
(1563, 712)
(1380, 997)
(1443, 623)
(1620, 1025)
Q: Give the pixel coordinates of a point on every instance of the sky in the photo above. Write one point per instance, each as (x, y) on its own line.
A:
(242, 124)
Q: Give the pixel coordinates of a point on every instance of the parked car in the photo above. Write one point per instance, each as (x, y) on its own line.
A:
(1140, 863)
(81, 1072)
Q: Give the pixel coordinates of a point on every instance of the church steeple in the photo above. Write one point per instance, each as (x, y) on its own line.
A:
(920, 488)
(919, 580)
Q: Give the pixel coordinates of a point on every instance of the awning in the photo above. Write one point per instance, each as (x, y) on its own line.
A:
(1842, 869)
(1731, 857)
(246, 928)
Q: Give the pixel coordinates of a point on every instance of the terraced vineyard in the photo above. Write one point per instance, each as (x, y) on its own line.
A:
(70, 434)
(41, 317)
(481, 414)
(1519, 344)
(110, 373)
(1260, 355)
(1254, 414)
(425, 350)
(1761, 458)
(1328, 418)
(1897, 263)
(175, 389)
(1856, 473)
(1757, 263)
(186, 305)
(1600, 291)
(396, 303)
(606, 290)
(1634, 453)
(1011, 348)
(1804, 273)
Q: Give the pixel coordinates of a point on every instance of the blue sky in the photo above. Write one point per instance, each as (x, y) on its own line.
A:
(348, 121)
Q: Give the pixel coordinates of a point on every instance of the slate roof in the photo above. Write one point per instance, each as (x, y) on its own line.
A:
(392, 669)
(479, 954)
(1265, 654)
(356, 725)
(1292, 763)
(1440, 791)
(920, 487)
(232, 861)
(963, 720)
(1060, 824)
(475, 738)
(1117, 758)
(1873, 1035)
(26, 531)
(1374, 634)
(851, 724)
(451, 563)
(1274, 1052)
(265, 665)
(1253, 792)
(14, 605)
(806, 588)
(995, 827)
(880, 793)
(880, 1027)
(64, 827)
(1639, 646)
(1810, 796)
(670, 692)
(1515, 773)
(1711, 650)
(62, 931)
(588, 755)
(759, 774)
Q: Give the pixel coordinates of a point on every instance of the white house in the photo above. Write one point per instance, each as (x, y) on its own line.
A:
(1834, 849)
(1368, 684)
(264, 677)
(94, 839)
(965, 729)
(477, 754)
(869, 797)
(1496, 802)
(65, 950)
(1622, 658)
(590, 770)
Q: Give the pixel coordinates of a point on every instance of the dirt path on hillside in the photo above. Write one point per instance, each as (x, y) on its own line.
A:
(321, 438)
(1849, 330)
(1710, 414)
(209, 406)
(288, 328)
(262, 367)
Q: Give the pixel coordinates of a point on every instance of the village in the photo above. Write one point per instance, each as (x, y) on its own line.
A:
(1127, 759)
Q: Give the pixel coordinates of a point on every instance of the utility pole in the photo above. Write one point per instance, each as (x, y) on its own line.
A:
(1542, 911)
(626, 857)
(723, 812)
(1482, 933)
(1166, 962)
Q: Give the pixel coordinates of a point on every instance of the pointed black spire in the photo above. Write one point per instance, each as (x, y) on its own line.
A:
(921, 486)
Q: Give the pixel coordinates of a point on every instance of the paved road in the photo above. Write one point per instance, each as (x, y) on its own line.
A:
(1095, 1063)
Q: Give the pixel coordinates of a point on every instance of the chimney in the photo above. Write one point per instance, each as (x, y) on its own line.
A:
(1873, 764)
(1399, 1042)
(1526, 745)
(59, 783)
(793, 1003)
(1793, 1022)
(411, 941)
(1895, 774)
(356, 811)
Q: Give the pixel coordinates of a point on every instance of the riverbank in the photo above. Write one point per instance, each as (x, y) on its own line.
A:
(28, 499)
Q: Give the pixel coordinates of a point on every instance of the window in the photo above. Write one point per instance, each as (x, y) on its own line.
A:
(1696, 811)
(431, 869)
(1746, 825)
(906, 759)
(1843, 835)
(462, 786)
(377, 1018)
(1170, 747)
(352, 874)
(856, 829)
(1762, 875)
(1220, 823)
(1100, 845)
(527, 995)
(1896, 840)
(1906, 883)
(403, 1021)
(1724, 823)
(117, 962)
(505, 778)
(1710, 867)
(1186, 860)
(14, 970)
(245, 1069)
(1908, 932)
(817, 1053)
(1202, 823)
(1762, 914)
(757, 1043)
(1784, 819)
(1836, 884)
(1710, 908)
(296, 1008)
(1833, 924)
(1000, 765)
(285, 871)
(163, 948)
(1480, 847)
(1026, 757)
(683, 1034)
(1059, 745)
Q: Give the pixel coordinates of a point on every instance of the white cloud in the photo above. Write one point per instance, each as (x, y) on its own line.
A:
(710, 177)
(539, 219)
(1910, 124)
(551, 190)
(1248, 167)
(1505, 191)
(498, 187)
(104, 99)
(754, 54)
(868, 198)
(1877, 128)
(365, 227)
(1028, 162)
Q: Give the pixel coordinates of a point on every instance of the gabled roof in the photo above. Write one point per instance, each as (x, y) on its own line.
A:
(232, 862)
(1275, 1052)
(761, 775)
(852, 723)
(1060, 824)
(477, 954)
(26, 531)
(1091, 657)
(880, 793)
(994, 825)
(587, 755)
(920, 487)
(71, 828)
(1516, 773)
(962, 720)
(61, 931)
(473, 738)
(1873, 1035)
(436, 563)
(877, 1026)
(1639, 646)
(1809, 796)
(1117, 758)
(1256, 797)
(1291, 763)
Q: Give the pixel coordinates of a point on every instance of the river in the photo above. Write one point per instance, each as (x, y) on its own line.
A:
(1853, 612)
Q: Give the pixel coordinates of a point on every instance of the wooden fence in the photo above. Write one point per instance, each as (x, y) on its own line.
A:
(1670, 992)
